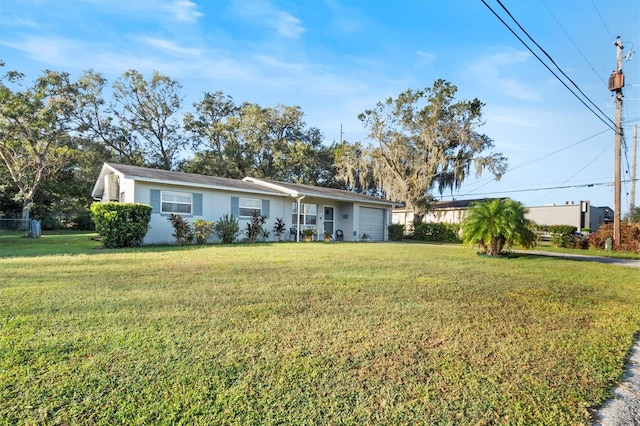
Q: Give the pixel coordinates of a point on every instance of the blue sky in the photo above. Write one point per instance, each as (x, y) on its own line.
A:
(336, 58)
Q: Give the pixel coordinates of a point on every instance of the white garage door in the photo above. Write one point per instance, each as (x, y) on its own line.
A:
(372, 223)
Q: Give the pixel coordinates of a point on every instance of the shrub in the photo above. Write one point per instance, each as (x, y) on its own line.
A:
(563, 235)
(396, 231)
(581, 242)
(82, 222)
(254, 227)
(629, 236)
(202, 230)
(279, 228)
(182, 230)
(436, 232)
(121, 224)
(227, 229)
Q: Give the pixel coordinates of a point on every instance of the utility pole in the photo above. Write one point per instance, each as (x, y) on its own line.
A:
(616, 83)
(632, 206)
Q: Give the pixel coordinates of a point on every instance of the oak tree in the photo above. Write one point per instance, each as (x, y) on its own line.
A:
(36, 138)
(425, 141)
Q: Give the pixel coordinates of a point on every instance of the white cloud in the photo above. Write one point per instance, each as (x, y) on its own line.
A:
(265, 14)
(18, 22)
(48, 50)
(184, 10)
(426, 55)
(496, 70)
(170, 46)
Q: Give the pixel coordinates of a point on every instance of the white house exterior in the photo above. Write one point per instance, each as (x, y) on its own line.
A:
(195, 196)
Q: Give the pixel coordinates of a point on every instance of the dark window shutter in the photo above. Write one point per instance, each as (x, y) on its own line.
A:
(197, 204)
(235, 206)
(154, 200)
(265, 208)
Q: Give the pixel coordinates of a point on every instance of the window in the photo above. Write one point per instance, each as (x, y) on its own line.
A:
(308, 214)
(247, 206)
(176, 202)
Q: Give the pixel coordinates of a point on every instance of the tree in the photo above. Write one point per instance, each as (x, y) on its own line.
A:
(147, 108)
(633, 215)
(494, 224)
(352, 164)
(426, 141)
(35, 126)
(95, 120)
(251, 140)
(213, 128)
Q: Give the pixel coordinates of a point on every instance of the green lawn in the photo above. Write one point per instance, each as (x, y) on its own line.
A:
(307, 333)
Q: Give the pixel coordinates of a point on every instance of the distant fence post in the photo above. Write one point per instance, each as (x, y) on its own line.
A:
(35, 230)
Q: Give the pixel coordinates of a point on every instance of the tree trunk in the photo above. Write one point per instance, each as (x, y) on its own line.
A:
(26, 208)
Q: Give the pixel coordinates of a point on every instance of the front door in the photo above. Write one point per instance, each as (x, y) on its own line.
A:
(328, 220)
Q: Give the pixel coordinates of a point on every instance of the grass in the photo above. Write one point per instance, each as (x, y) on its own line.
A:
(547, 246)
(307, 334)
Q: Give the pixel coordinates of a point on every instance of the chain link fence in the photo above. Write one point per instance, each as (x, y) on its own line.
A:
(21, 225)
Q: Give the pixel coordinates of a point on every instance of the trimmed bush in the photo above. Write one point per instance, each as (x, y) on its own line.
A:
(436, 232)
(396, 231)
(563, 235)
(121, 224)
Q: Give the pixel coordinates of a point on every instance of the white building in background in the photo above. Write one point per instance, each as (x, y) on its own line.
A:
(581, 215)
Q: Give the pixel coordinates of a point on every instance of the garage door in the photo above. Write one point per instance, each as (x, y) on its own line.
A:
(372, 223)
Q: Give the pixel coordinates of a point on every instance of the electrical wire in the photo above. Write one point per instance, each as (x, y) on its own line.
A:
(602, 20)
(554, 63)
(580, 171)
(575, 45)
(546, 66)
(548, 188)
(487, 181)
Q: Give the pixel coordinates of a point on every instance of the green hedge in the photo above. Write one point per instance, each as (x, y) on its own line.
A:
(436, 232)
(121, 224)
(396, 231)
(563, 235)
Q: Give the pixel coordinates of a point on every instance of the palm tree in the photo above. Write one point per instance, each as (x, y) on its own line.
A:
(495, 223)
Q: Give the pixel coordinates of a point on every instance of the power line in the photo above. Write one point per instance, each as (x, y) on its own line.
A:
(602, 20)
(545, 65)
(574, 44)
(548, 188)
(579, 171)
(489, 180)
(556, 65)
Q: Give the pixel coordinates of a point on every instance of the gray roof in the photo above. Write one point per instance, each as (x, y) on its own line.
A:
(166, 176)
(255, 186)
(331, 193)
